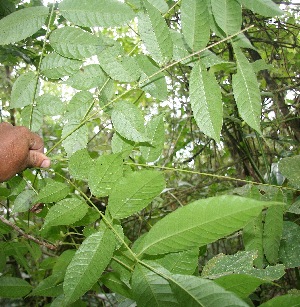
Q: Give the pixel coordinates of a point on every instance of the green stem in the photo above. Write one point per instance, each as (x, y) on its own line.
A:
(39, 65)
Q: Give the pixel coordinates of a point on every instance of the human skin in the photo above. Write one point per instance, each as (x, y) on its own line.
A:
(19, 149)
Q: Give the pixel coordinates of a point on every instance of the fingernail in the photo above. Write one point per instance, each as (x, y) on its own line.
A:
(45, 163)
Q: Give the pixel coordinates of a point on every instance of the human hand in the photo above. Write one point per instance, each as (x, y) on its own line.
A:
(19, 148)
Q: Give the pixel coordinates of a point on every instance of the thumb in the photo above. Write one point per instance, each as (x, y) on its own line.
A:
(38, 159)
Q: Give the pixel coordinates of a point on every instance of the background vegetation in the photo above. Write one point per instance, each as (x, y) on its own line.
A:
(173, 128)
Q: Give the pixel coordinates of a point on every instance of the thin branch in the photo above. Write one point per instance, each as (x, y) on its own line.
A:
(27, 236)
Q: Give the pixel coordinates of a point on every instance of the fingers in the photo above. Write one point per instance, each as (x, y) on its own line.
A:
(38, 159)
(36, 142)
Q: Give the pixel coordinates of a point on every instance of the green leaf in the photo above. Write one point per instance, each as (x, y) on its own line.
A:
(246, 91)
(262, 7)
(134, 192)
(155, 131)
(80, 164)
(240, 284)
(107, 170)
(62, 262)
(161, 5)
(155, 86)
(76, 138)
(290, 245)
(92, 13)
(117, 64)
(272, 233)
(289, 167)
(52, 192)
(185, 262)
(106, 94)
(91, 217)
(209, 59)
(179, 48)
(195, 23)
(51, 286)
(22, 93)
(155, 34)
(194, 291)
(295, 207)
(50, 105)
(90, 260)
(79, 106)
(13, 287)
(23, 201)
(206, 101)
(66, 212)
(253, 239)
(228, 15)
(88, 77)
(129, 122)
(55, 66)
(22, 23)
(121, 145)
(123, 256)
(291, 300)
(75, 43)
(31, 118)
(150, 289)
(242, 41)
(201, 222)
(6, 8)
(112, 281)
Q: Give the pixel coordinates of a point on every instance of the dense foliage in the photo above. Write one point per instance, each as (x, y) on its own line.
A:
(173, 129)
